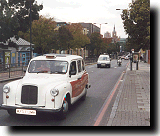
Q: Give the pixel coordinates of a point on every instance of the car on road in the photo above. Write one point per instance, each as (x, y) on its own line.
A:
(52, 83)
(123, 57)
(126, 58)
(104, 61)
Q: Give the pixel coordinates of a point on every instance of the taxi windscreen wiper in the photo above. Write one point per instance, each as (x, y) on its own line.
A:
(42, 71)
(56, 72)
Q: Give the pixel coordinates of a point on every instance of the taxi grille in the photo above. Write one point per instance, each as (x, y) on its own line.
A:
(29, 94)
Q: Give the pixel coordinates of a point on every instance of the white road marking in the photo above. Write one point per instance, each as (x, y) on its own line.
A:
(90, 66)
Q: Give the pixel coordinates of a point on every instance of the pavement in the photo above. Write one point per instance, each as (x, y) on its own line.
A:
(5, 78)
(132, 104)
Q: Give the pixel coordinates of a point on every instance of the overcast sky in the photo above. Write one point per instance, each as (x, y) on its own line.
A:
(88, 11)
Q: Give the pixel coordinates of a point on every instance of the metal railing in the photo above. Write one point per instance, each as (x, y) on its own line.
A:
(90, 60)
(12, 70)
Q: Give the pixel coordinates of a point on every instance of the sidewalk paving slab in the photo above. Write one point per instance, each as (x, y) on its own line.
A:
(133, 108)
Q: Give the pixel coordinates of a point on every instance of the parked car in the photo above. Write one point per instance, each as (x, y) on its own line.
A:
(126, 58)
(123, 57)
(52, 83)
(104, 61)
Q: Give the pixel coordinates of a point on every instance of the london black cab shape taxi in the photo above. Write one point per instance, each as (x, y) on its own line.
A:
(52, 83)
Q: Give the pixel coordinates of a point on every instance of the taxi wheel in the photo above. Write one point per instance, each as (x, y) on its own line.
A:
(63, 112)
(84, 96)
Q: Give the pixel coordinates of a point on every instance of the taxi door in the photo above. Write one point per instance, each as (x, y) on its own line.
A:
(84, 78)
(75, 79)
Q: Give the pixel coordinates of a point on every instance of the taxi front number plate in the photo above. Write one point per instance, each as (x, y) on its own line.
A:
(26, 112)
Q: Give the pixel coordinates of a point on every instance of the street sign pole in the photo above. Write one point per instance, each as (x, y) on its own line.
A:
(30, 32)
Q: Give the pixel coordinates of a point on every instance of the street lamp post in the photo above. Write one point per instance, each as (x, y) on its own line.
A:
(130, 50)
(30, 30)
(100, 25)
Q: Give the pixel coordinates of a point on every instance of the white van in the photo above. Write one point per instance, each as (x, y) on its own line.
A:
(104, 61)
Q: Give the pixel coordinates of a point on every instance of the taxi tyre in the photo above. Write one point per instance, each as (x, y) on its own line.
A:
(84, 96)
(64, 110)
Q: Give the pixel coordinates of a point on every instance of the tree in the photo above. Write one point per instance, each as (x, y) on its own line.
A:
(65, 37)
(113, 47)
(80, 40)
(14, 17)
(96, 43)
(137, 24)
(105, 45)
(43, 35)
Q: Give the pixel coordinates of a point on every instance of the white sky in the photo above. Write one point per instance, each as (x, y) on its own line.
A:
(88, 11)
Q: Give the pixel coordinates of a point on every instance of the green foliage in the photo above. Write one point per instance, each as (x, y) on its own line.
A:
(14, 17)
(79, 39)
(113, 47)
(43, 35)
(96, 43)
(65, 37)
(46, 38)
(137, 24)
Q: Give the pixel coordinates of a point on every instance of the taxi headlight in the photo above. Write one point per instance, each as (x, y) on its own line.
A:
(6, 89)
(54, 92)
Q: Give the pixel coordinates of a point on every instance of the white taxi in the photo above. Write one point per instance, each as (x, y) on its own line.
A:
(52, 83)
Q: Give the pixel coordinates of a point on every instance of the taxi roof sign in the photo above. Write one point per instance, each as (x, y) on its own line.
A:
(50, 56)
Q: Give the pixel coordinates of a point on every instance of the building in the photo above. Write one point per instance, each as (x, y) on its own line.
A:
(107, 35)
(91, 28)
(15, 51)
(62, 24)
(115, 38)
(85, 31)
(59, 24)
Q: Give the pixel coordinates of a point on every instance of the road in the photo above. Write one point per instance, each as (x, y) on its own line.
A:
(82, 113)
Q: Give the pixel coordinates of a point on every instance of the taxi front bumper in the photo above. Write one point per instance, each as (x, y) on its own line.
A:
(38, 109)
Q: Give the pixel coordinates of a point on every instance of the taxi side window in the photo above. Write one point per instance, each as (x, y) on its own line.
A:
(79, 66)
(83, 66)
(73, 69)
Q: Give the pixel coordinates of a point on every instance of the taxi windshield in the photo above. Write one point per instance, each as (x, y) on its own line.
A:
(48, 66)
(103, 58)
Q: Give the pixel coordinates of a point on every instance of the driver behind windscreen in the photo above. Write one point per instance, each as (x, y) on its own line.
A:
(43, 66)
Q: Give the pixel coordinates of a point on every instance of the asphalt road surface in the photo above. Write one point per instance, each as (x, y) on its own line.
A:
(82, 113)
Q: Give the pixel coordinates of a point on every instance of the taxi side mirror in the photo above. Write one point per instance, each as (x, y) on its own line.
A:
(72, 73)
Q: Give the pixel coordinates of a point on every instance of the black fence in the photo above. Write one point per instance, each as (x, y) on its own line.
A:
(90, 60)
(12, 70)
